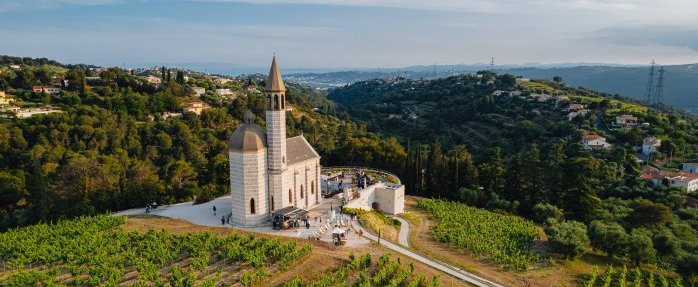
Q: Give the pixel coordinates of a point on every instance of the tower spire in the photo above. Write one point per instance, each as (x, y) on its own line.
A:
(274, 81)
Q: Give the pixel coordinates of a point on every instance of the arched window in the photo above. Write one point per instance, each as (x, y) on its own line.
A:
(302, 191)
(276, 102)
(270, 102)
(283, 101)
(290, 196)
(272, 203)
(252, 211)
(312, 187)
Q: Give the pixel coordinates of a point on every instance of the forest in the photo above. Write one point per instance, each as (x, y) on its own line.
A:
(112, 149)
(513, 155)
(448, 138)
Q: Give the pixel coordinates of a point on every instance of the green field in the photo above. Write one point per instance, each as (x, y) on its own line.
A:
(505, 239)
(94, 251)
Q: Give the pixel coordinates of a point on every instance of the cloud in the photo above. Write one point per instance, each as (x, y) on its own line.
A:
(15, 5)
(502, 6)
(671, 36)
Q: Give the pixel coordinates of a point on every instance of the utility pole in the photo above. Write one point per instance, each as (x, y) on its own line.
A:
(434, 71)
(492, 64)
(650, 85)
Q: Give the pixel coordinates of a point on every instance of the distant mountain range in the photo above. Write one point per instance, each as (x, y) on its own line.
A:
(680, 81)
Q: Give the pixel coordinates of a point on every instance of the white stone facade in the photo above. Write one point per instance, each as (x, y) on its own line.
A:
(388, 198)
(248, 186)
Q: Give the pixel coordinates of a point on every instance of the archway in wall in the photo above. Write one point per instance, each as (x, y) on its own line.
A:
(290, 196)
(375, 205)
(252, 209)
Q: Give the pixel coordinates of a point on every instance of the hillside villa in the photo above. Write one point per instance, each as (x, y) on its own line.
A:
(576, 107)
(199, 91)
(27, 113)
(681, 179)
(224, 92)
(46, 89)
(650, 145)
(196, 107)
(153, 80)
(594, 141)
(626, 121)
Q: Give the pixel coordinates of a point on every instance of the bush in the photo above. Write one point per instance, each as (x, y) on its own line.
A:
(568, 238)
(543, 211)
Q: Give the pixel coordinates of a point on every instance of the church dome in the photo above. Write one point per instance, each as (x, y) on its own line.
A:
(247, 137)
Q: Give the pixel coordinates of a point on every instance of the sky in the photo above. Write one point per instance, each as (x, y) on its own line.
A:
(347, 34)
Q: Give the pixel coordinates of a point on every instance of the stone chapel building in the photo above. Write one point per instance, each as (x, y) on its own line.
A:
(268, 171)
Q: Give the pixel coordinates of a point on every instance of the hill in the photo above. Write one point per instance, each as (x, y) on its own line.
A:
(516, 146)
(681, 90)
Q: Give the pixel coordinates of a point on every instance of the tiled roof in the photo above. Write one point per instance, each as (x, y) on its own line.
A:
(298, 149)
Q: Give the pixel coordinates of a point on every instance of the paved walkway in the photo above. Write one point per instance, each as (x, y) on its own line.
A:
(448, 269)
(404, 236)
(202, 214)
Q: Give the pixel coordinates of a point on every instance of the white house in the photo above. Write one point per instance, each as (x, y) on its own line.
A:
(688, 181)
(224, 92)
(594, 141)
(627, 121)
(681, 179)
(691, 167)
(650, 145)
(26, 113)
(199, 91)
(46, 89)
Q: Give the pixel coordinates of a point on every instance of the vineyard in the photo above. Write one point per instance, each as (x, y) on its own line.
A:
(504, 239)
(362, 271)
(94, 251)
(614, 276)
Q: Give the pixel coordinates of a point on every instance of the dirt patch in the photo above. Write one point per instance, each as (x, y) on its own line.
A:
(422, 240)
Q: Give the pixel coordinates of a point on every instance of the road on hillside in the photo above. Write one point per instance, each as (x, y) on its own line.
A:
(448, 269)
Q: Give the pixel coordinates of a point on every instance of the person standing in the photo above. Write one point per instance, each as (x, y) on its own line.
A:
(214, 210)
(222, 220)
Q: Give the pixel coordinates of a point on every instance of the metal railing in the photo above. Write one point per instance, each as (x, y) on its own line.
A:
(374, 170)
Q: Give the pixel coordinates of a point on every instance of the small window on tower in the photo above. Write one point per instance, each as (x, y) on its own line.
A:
(252, 211)
(290, 196)
(283, 159)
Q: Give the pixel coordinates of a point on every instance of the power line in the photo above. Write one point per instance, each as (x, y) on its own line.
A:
(659, 90)
(650, 85)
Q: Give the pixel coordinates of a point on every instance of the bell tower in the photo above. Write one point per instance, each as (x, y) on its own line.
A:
(276, 129)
